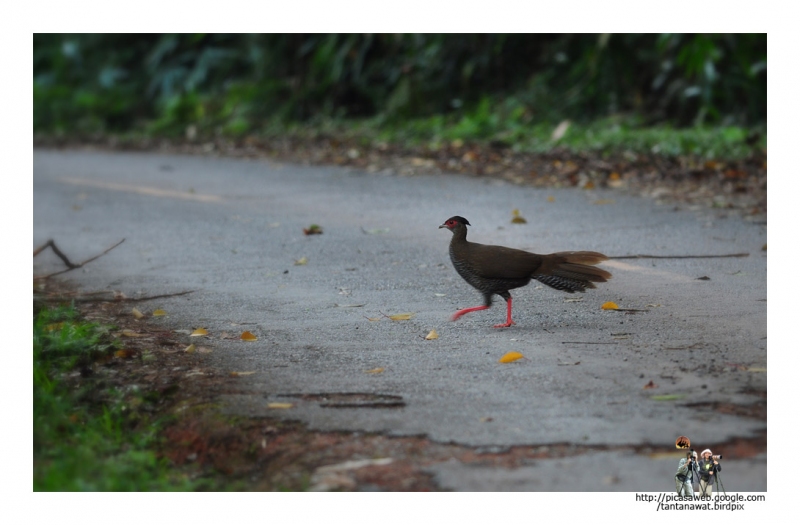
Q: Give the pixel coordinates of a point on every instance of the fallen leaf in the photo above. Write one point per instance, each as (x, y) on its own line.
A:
(125, 353)
(589, 185)
(551, 199)
(374, 371)
(314, 229)
(401, 317)
(516, 218)
(131, 333)
(190, 349)
(159, 312)
(754, 369)
(649, 385)
(668, 397)
(247, 336)
(199, 332)
(374, 318)
(560, 130)
(237, 374)
(280, 405)
(136, 313)
(432, 335)
(510, 357)
(610, 306)
(301, 261)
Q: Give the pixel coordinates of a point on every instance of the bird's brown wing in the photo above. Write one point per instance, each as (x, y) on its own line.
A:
(500, 262)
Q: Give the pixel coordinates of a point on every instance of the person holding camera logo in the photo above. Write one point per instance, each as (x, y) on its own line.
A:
(685, 476)
(708, 467)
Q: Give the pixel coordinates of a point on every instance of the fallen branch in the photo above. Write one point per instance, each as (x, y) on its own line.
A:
(70, 265)
(679, 256)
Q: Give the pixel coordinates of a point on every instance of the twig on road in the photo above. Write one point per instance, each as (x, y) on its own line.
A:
(70, 265)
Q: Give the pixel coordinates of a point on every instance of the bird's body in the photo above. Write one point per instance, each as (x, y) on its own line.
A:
(498, 269)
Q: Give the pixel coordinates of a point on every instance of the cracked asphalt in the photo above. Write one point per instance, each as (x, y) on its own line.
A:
(687, 355)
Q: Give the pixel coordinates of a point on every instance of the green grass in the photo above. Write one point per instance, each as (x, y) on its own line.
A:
(604, 137)
(87, 439)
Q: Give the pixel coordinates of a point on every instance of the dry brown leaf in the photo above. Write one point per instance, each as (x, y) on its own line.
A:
(131, 333)
(136, 313)
(125, 353)
(159, 312)
(374, 371)
(432, 335)
(510, 357)
(199, 332)
(610, 306)
(237, 374)
(401, 317)
(247, 336)
(516, 218)
(649, 385)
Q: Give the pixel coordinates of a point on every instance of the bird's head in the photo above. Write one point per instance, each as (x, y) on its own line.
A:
(455, 223)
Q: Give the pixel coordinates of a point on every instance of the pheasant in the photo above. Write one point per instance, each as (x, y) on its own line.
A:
(497, 269)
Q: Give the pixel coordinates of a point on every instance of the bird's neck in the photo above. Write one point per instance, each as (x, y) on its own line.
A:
(459, 236)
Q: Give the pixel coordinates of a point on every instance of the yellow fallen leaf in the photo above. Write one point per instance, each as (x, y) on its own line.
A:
(610, 306)
(199, 332)
(189, 349)
(374, 371)
(130, 333)
(237, 374)
(136, 313)
(280, 405)
(159, 312)
(510, 357)
(432, 335)
(401, 317)
(551, 199)
(373, 318)
(247, 336)
(301, 261)
(517, 218)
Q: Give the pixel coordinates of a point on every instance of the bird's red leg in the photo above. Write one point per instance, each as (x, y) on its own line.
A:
(508, 322)
(466, 311)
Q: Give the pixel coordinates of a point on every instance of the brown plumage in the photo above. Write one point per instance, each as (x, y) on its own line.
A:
(497, 269)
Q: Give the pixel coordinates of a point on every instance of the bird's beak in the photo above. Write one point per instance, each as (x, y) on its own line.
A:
(442, 226)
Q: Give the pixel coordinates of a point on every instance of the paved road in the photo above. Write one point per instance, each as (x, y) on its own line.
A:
(232, 231)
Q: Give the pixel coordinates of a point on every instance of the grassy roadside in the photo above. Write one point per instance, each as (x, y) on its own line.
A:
(86, 437)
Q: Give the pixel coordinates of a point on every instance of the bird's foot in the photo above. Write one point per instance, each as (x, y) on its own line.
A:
(504, 325)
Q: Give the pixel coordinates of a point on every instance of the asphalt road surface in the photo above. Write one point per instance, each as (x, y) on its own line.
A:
(232, 231)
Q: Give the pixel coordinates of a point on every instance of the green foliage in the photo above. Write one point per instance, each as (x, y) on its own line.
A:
(78, 443)
(236, 84)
